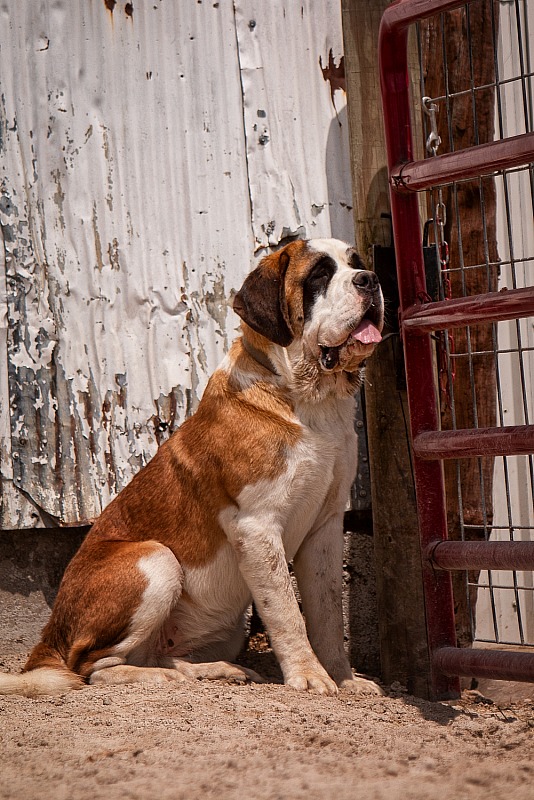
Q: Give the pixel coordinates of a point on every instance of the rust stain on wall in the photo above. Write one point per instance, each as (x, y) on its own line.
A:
(128, 7)
(334, 74)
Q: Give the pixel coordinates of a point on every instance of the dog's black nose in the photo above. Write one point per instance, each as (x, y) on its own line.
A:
(365, 281)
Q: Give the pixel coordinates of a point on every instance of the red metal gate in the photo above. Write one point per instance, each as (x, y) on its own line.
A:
(418, 319)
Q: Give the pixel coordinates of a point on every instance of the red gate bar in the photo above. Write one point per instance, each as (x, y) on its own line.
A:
(513, 440)
(481, 555)
(462, 311)
(400, 15)
(498, 664)
(418, 352)
(483, 159)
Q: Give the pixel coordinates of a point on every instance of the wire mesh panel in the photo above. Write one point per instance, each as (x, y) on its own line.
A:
(476, 302)
(484, 237)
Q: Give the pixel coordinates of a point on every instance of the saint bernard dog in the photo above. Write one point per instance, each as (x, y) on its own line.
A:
(257, 477)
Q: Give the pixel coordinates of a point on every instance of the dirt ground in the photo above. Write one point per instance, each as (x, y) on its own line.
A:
(267, 742)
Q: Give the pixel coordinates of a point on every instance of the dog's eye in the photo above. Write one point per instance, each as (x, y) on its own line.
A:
(320, 276)
(354, 260)
(317, 283)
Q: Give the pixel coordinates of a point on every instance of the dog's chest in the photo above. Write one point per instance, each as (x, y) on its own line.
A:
(314, 483)
(321, 471)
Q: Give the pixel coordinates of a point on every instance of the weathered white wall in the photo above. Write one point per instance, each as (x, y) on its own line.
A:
(146, 155)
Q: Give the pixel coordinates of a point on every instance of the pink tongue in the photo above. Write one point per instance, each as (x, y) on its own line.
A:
(366, 333)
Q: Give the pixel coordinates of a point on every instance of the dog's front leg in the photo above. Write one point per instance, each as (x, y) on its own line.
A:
(263, 564)
(318, 568)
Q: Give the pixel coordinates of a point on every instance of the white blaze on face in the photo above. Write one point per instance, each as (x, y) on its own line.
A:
(337, 316)
(334, 248)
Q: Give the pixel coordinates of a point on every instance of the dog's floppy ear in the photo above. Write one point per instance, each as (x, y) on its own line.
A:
(261, 301)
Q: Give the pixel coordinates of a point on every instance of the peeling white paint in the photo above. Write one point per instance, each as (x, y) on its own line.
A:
(297, 141)
(143, 160)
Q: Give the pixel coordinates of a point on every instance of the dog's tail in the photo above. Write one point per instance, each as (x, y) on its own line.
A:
(49, 676)
(41, 681)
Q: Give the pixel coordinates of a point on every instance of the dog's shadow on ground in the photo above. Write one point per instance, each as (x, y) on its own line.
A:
(258, 655)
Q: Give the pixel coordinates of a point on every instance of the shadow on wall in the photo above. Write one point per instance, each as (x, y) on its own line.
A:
(35, 560)
(338, 177)
(359, 580)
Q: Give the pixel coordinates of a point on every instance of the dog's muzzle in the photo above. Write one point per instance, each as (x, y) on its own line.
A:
(366, 332)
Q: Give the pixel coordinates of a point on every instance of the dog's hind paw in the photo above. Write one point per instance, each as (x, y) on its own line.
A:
(222, 670)
(364, 687)
(127, 673)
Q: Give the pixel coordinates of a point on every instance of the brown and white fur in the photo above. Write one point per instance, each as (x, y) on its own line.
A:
(258, 476)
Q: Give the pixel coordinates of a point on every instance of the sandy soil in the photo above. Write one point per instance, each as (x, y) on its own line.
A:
(267, 742)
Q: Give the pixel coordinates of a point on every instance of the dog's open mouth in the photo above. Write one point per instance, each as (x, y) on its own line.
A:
(367, 333)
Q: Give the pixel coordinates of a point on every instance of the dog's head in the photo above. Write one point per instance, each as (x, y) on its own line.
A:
(317, 292)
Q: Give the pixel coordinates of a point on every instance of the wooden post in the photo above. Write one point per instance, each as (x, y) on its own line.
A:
(402, 629)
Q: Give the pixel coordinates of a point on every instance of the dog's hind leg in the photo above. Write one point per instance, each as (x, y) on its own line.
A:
(214, 661)
(130, 658)
(112, 606)
(134, 659)
(114, 595)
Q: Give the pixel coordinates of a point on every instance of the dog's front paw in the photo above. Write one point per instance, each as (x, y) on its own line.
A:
(312, 679)
(364, 687)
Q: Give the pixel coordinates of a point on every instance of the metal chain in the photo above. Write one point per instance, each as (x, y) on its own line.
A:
(434, 140)
(432, 143)
(440, 220)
